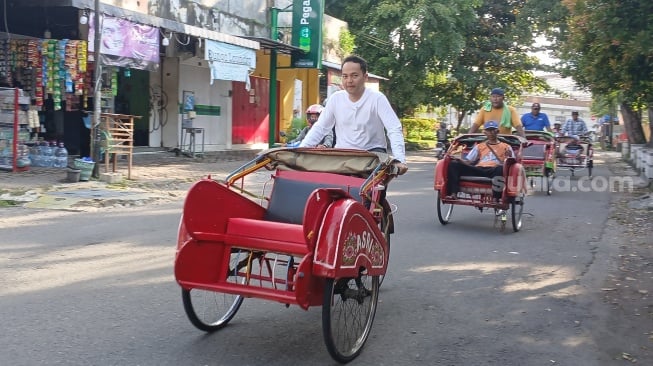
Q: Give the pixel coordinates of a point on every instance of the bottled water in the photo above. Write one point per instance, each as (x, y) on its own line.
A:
(47, 153)
(35, 155)
(61, 156)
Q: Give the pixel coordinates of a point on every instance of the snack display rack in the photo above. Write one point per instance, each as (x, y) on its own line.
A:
(14, 156)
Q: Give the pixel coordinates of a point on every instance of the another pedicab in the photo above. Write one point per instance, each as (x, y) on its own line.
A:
(477, 191)
(539, 158)
(319, 236)
(577, 158)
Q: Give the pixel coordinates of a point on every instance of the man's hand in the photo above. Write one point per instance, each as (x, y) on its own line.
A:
(402, 168)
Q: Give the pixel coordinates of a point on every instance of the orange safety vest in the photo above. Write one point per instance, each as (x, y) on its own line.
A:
(502, 149)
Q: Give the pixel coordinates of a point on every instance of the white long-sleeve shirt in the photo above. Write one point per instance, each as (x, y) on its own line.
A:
(359, 125)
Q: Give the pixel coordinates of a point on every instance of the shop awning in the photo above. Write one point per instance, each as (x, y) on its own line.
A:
(167, 24)
(270, 44)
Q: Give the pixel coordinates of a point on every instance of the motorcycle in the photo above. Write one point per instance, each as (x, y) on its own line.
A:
(441, 148)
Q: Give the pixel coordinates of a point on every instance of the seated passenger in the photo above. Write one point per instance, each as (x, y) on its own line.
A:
(484, 160)
(573, 149)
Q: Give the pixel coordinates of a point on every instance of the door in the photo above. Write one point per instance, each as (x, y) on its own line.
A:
(250, 123)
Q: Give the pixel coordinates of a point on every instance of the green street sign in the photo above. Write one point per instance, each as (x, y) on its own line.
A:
(307, 33)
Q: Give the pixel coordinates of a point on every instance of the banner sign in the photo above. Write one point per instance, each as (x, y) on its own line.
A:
(307, 33)
(125, 43)
(228, 61)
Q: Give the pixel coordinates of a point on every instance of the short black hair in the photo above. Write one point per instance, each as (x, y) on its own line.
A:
(358, 60)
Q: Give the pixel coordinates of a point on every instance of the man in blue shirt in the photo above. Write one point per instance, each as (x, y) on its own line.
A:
(536, 121)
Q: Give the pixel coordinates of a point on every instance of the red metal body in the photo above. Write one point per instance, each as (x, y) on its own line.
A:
(539, 155)
(337, 236)
(478, 192)
(575, 161)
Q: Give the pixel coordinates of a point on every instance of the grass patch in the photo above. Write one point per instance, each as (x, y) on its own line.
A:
(414, 145)
(8, 203)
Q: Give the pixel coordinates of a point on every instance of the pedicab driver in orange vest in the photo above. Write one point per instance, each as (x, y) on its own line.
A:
(484, 160)
(497, 110)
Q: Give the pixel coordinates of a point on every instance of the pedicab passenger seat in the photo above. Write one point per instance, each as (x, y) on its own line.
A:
(534, 152)
(283, 219)
(292, 188)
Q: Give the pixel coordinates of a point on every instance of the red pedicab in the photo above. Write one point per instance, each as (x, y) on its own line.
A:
(576, 159)
(319, 237)
(477, 191)
(539, 158)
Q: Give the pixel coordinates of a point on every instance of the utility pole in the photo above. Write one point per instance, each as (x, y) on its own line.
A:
(274, 34)
(97, 91)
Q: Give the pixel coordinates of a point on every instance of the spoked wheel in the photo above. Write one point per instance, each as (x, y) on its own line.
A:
(385, 229)
(516, 210)
(548, 176)
(348, 313)
(590, 165)
(444, 209)
(209, 310)
(500, 218)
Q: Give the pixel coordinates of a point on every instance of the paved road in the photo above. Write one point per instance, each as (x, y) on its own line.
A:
(79, 288)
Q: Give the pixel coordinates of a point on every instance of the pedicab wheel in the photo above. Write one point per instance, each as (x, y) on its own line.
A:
(348, 312)
(516, 210)
(385, 229)
(548, 175)
(444, 209)
(209, 310)
(590, 165)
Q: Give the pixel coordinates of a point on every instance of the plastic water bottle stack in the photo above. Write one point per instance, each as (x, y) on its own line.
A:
(47, 154)
(61, 156)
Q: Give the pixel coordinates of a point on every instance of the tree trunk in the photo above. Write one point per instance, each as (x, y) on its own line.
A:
(633, 125)
(650, 127)
(461, 117)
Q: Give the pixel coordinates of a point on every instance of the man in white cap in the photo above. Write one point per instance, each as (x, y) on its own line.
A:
(497, 110)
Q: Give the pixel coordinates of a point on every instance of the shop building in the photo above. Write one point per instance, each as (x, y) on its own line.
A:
(210, 70)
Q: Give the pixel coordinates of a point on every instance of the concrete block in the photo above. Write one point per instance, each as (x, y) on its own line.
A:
(111, 178)
(648, 172)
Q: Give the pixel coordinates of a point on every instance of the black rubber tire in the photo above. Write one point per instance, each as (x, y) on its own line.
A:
(386, 224)
(217, 308)
(348, 310)
(516, 210)
(549, 181)
(444, 210)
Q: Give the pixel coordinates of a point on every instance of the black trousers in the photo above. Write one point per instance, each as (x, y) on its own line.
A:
(457, 169)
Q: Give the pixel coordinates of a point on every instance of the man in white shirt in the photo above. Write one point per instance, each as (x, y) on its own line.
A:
(361, 116)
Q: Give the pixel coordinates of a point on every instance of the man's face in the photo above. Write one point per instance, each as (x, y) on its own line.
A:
(496, 100)
(312, 118)
(491, 133)
(535, 109)
(574, 116)
(353, 78)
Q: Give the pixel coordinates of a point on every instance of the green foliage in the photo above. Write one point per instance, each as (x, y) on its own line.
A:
(448, 53)
(347, 43)
(608, 49)
(419, 128)
(296, 126)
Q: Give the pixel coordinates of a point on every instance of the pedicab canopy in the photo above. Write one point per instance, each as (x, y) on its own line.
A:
(358, 163)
